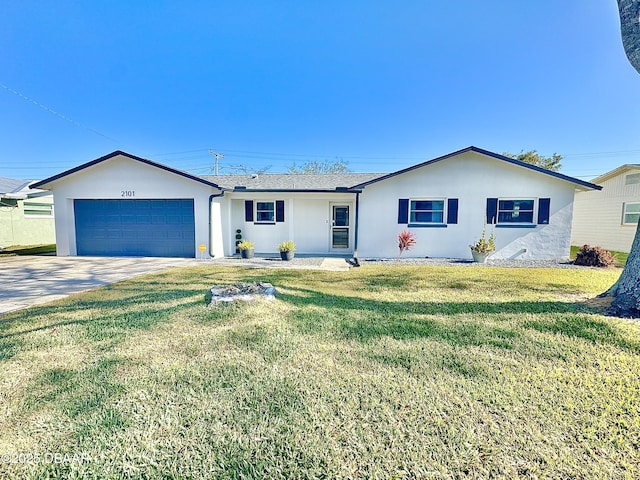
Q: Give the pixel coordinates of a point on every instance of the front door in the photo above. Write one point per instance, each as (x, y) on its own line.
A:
(340, 227)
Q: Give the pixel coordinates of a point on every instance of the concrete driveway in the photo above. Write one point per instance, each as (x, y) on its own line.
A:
(27, 281)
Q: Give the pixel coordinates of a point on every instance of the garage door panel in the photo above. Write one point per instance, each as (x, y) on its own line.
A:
(162, 227)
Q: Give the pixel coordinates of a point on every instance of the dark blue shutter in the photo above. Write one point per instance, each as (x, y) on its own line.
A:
(248, 210)
(279, 210)
(492, 210)
(452, 210)
(543, 210)
(403, 210)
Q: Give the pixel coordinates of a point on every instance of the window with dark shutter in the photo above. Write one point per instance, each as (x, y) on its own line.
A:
(452, 211)
(248, 210)
(543, 210)
(492, 210)
(265, 212)
(403, 210)
(279, 210)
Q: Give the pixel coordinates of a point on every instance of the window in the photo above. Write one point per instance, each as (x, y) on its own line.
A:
(515, 211)
(426, 211)
(35, 209)
(631, 214)
(632, 179)
(265, 212)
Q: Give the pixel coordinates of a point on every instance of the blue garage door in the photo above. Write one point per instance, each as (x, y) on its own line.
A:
(153, 228)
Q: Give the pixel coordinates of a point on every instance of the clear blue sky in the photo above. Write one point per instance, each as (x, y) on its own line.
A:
(379, 84)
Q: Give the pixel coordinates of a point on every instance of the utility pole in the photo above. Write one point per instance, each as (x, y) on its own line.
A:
(218, 156)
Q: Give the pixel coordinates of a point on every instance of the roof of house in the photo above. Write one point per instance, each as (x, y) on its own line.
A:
(497, 156)
(292, 181)
(325, 182)
(44, 183)
(616, 171)
(11, 185)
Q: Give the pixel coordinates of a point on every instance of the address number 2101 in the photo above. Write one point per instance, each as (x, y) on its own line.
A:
(127, 193)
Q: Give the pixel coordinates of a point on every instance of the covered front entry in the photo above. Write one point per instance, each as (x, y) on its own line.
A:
(154, 228)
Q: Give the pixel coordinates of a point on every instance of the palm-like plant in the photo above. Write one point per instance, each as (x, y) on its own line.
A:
(406, 240)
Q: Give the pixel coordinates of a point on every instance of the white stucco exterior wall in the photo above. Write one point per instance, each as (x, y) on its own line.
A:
(471, 178)
(110, 178)
(307, 222)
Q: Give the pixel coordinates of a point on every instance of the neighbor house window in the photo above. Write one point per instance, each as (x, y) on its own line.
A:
(426, 211)
(632, 179)
(265, 212)
(39, 210)
(515, 211)
(631, 213)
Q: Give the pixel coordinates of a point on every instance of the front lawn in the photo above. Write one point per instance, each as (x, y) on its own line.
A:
(380, 372)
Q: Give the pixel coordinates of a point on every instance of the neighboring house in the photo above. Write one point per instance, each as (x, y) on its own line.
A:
(609, 218)
(121, 204)
(26, 215)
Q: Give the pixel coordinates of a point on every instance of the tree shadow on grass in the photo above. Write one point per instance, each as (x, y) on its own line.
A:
(119, 317)
(365, 320)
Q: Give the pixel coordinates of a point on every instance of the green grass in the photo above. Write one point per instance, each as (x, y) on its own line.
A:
(380, 372)
(27, 250)
(620, 257)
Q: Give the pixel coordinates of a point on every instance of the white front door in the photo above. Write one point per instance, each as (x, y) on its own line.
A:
(340, 227)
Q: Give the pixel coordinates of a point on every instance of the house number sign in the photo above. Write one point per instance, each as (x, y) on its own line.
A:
(127, 193)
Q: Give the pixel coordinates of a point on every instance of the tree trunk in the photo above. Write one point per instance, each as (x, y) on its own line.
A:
(626, 291)
(630, 30)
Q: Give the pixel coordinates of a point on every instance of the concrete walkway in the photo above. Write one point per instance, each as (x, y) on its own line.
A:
(299, 262)
(33, 280)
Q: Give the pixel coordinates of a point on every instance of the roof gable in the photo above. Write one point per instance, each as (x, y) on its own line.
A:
(47, 181)
(576, 181)
(616, 171)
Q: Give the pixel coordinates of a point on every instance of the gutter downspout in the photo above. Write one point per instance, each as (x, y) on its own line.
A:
(211, 197)
(356, 263)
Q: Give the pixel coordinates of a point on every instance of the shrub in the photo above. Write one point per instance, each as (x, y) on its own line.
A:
(594, 257)
(406, 240)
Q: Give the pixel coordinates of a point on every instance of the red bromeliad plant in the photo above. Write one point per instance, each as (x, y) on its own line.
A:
(406, 240)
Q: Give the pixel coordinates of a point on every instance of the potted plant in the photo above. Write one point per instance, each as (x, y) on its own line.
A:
(286, 250)
(238, 239)
(246, 249)
(483, 247)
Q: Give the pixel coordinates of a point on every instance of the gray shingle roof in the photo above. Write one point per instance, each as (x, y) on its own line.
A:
(292, 181)
(11, 185)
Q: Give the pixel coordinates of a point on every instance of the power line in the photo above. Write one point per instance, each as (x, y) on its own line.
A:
(56, 113)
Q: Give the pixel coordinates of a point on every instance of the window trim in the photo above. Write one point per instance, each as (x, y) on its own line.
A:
(48, 212)
(272, 221)
(534, 212)
(624, 214)
(443, 223)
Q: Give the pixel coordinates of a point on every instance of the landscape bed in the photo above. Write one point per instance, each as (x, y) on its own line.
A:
(384, 371)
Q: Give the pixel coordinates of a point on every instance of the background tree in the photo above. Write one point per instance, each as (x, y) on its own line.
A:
(327, 166)
(626, 291)
(534, 158)
(244, 170)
